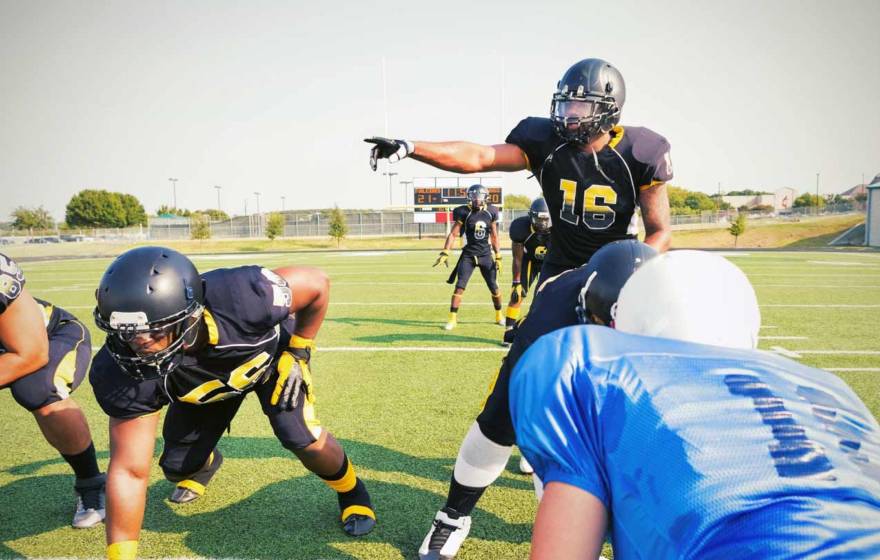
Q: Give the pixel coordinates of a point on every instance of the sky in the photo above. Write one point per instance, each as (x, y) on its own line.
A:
(276, 97)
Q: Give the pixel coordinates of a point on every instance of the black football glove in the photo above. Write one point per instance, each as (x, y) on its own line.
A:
(388, 148)
(294, 374)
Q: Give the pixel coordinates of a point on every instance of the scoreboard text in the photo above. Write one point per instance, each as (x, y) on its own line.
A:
(450, 196)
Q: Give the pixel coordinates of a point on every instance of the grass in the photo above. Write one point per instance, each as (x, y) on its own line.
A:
(399, 413)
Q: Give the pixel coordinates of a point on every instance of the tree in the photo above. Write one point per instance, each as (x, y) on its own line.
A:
(134, 211)
(738, 227)
(338, 228)
(199, 226)
(95, 208)
(32, 218)
(166, 211)
(214, 214)
(275, 225)
(808, 200)
(517, 202)
(747, 192)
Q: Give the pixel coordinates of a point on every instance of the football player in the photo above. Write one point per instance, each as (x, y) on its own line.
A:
(530, 238)
(477, 220)
(44, 355)
(593, 172)
(201, 344)
(687, 441)
(583, 295)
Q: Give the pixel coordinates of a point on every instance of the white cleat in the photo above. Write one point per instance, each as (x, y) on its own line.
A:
(90, 500)
(525, 467)
(445, 537)
(449, 326)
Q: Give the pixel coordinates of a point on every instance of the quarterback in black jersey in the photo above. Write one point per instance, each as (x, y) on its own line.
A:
(584, 295)
(530, 239)
(593, 172)
(44, 355)
(477, 220)
(200, 344)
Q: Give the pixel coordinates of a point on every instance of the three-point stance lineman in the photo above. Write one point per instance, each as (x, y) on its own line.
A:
(44, 355)
(477, 220)
(581, 295)
(693, 445)
(201, 343)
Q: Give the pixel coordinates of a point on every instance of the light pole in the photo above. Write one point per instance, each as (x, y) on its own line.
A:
(173, 181)
(259, 217)
(390, 175)
(258, 201)
(218, 187)
(817, 194)
(406, 185)
(282, 203)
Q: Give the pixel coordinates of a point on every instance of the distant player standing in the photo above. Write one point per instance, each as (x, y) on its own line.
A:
(530, 240)
(477, 221)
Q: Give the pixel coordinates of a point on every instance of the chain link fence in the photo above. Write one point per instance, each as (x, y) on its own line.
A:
(379, 223)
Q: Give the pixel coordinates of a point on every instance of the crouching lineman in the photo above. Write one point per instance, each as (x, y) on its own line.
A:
(530, 239)
(44, 355)
(582, 295)
(693, 445)
(478, 220)
(201, 343)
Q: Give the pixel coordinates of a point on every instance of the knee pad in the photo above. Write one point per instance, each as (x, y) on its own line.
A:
(480, 460)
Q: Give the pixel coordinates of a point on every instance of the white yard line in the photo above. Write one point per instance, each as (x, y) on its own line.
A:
(853, 369)
(782, 351)
(783, 337)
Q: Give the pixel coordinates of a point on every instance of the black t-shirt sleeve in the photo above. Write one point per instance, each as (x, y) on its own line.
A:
(11, 282)
(651, 150)
(520, 229)
(252, 298)
(460, 214)
(536, 138)
(120, 395)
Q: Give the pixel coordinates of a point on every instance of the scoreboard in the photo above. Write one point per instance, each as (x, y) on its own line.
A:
(450, 196)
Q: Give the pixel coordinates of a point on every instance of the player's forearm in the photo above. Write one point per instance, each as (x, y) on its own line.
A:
(450, 240)
(659, 240)
(14, 366)
(458, 157)
(310, 318)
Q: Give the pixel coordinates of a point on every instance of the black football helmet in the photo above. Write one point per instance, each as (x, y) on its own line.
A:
(588, 101)
(149, 291)
(607, 271)
(539, 214)
(477, 196)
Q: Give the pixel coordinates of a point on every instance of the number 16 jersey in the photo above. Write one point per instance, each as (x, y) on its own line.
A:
(592, 199)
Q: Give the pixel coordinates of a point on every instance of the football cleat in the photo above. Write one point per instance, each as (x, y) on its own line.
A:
(445, 537)
(358, 524)
(525, 467)
(90, 501)
(499, 318)
(194, 487)
(449, 326)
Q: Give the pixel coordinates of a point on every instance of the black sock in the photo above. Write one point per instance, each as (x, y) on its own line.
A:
(85, 463)
(357, 496)
(462, 499)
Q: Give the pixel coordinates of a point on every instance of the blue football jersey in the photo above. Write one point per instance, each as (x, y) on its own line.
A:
(700, 451)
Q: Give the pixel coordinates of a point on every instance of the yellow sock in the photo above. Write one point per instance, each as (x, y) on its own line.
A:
(498, 316)
(453, 317)
(513, 313)
(124, 550)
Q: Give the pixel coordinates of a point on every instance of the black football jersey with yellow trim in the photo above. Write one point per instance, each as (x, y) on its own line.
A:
(476, 226)
(11, 281)
(592, 201)
(244, 309)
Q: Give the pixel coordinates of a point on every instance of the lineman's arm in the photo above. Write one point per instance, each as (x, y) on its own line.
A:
(23, 335)
(131, 452)
(654, 203)
(570, 524)
(468, 157)
(310, 290)
(516, 268)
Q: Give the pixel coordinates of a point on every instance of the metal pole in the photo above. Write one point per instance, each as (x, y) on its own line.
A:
(390, 175)
(173, 181)
(282, 203)
(218, 187)
(817, 194)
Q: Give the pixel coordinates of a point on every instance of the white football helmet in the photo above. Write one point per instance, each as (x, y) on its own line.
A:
(693, 296)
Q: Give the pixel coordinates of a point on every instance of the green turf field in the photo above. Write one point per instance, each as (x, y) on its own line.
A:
(399, 393)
